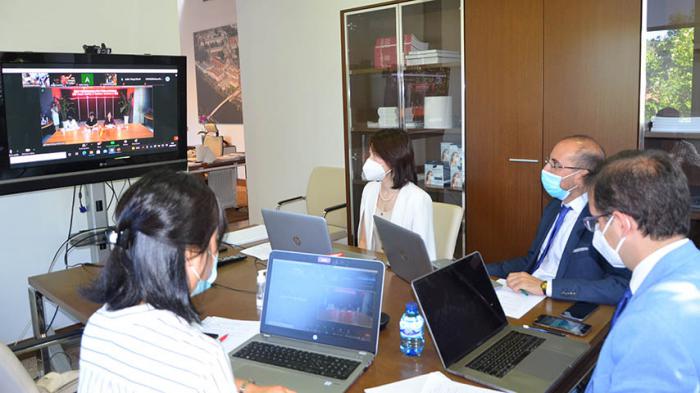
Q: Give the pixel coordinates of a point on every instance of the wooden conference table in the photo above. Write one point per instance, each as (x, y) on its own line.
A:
(390, 365)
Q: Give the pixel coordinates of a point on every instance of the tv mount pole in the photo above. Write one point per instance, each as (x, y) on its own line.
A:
(95, 202)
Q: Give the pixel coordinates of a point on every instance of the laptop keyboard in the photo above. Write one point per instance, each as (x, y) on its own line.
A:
(505, 354)
(310, 362)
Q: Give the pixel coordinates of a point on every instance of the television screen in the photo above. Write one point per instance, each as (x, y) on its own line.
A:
(69, 119)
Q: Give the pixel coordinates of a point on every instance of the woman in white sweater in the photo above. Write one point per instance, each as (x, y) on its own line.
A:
(392, 192)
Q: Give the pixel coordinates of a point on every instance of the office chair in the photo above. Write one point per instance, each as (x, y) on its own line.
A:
(446, 221)
(325, 197)
(15, 378)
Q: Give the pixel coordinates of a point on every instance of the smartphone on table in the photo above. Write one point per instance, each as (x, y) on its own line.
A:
(562, 325)
(579, 311)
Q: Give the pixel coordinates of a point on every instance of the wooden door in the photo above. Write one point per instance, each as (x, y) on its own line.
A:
(503, 40)
(591, 71)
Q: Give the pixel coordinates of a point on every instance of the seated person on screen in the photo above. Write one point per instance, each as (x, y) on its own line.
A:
(392, 193)
(561, 262)
(640, 213)
(109, 120)
(70, 124)
(91, 122)
(145, 337)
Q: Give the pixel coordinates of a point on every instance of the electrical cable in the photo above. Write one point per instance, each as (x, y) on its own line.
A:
(215, 285)
(70, 227)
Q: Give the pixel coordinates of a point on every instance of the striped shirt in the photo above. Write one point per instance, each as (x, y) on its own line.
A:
(142, 349)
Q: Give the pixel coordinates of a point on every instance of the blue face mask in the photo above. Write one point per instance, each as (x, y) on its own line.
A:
(203, 285)
(552, 184)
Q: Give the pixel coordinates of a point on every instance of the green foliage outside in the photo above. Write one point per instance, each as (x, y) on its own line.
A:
(669, 65)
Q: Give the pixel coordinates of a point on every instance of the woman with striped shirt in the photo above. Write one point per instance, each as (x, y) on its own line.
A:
(145, 338)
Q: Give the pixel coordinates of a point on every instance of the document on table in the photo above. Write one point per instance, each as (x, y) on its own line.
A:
(246, 236)
(236, 331)
(261, 251)
(515, 304)
(435, 382)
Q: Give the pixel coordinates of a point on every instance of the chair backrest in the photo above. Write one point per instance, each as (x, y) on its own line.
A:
(13, 376)
(326, 188)
(215, 144)
(446, 220)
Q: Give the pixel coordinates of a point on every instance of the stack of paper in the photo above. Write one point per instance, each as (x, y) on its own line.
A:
(232, 332)
(261, 251)
(432, 56)
(515, 304)
(435, 382)
(675, 124)
(246, 236)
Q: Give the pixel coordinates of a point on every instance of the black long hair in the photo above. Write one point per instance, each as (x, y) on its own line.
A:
(395, 148)
(159, 217)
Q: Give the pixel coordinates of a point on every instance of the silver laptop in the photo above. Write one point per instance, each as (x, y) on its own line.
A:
(315, 306)
(471, 332)
(300, 232)
(405, 250)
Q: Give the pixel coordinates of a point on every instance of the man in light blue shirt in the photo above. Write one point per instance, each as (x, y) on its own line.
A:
(640, 206)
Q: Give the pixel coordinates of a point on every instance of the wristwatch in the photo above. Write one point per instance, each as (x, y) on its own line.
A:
(543, 287)
(244, 386)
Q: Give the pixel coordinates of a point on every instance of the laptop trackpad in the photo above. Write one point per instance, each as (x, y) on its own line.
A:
(545, 364)
(298, 381)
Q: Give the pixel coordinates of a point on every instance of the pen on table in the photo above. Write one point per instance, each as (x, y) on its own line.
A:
(223, 338)
(544, 331)
(524, 292)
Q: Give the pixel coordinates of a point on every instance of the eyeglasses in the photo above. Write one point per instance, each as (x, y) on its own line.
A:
(591, 221)
(557, 165)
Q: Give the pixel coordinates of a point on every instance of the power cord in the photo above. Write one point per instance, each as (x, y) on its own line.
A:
(215, 285)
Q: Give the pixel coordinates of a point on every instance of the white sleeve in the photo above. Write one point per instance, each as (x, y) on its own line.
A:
(423, 224)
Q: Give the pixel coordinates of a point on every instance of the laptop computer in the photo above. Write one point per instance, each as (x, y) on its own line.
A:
(405, 250)
(300, 232)
(317, 309)
(473, 338)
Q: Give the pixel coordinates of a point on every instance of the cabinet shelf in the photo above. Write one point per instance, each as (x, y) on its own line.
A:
(407, 68)
(412, 132)
(672, 135)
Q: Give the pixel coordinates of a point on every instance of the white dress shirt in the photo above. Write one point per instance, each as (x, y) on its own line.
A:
(548, 269)
(647, 264)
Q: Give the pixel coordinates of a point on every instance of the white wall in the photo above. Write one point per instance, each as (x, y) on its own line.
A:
(197, 15)
(292, 87)
(33, 225)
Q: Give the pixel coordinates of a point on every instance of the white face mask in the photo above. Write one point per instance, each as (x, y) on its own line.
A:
(610, 254)
(373, 171)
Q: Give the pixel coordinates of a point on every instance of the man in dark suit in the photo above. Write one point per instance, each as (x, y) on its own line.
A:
(561, 262)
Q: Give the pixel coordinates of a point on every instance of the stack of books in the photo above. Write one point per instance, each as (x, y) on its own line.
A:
(385, 49)
(432, 56)
(388, 117)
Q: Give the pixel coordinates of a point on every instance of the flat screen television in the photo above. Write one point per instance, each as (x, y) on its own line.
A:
(68, 119)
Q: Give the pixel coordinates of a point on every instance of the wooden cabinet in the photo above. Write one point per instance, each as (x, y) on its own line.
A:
(538, 71)
(535, 72)
(503, 41)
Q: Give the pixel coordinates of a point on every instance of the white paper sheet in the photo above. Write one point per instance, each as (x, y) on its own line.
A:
(237, 331)
(261, 251)
(515, 304)
(246, 236)
(435, 382)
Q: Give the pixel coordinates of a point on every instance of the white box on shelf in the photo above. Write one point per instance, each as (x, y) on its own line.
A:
(437, 174)
(438, 112)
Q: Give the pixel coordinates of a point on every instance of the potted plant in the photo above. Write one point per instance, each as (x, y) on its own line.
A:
(125, 105)
(65, 107)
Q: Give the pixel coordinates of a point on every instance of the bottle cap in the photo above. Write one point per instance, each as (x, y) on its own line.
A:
(411, 307)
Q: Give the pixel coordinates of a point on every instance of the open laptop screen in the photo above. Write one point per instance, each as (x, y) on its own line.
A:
(460, 306)
(329, 300)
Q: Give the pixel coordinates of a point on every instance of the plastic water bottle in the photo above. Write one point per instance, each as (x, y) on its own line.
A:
(259, 296)
(411, 325)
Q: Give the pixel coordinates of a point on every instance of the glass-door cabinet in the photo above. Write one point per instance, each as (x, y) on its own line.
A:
(417, 86)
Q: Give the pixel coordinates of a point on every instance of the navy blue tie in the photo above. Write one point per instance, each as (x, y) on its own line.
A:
(560, 219)
(621, 306)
